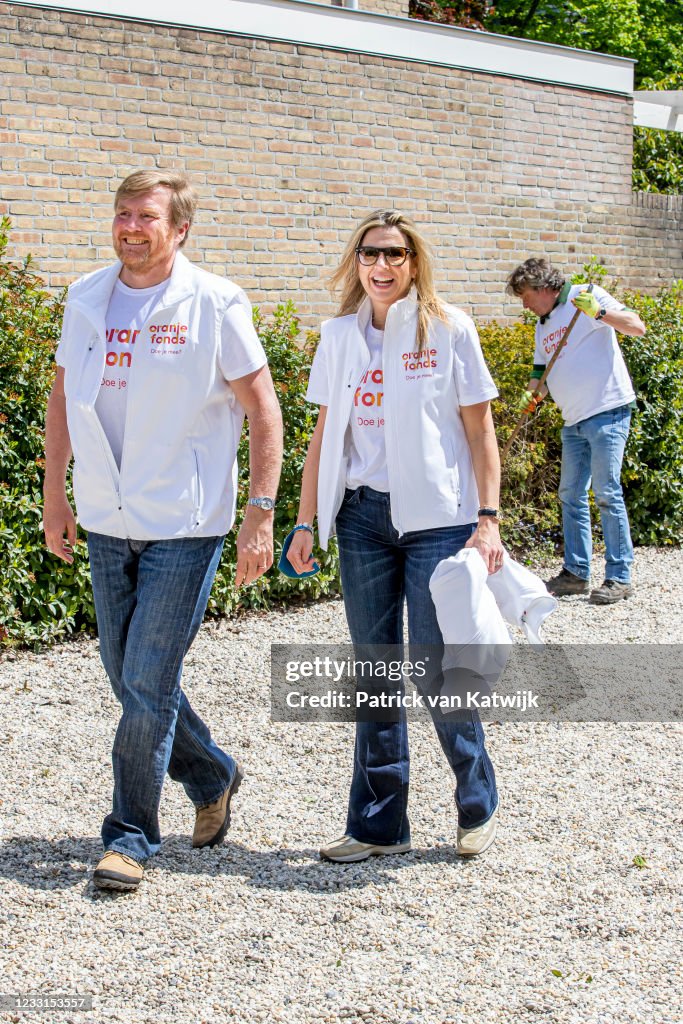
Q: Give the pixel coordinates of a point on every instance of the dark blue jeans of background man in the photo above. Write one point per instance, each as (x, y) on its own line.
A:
(379, 572)
(150, 599)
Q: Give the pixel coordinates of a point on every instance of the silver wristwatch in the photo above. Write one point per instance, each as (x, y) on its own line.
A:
(267, 504)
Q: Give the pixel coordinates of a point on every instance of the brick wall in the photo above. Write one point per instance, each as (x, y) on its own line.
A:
(399, 7)
(289, 145)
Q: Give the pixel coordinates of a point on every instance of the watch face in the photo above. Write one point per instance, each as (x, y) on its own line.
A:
(267, 504)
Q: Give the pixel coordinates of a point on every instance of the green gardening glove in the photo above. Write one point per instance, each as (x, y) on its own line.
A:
(587, 303)
(528, 403)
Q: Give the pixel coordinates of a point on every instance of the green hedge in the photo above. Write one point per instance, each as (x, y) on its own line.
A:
(530, 474)
(42, 599)
(653, 465)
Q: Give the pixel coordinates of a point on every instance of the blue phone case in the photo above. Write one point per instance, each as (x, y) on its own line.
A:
(286, 567)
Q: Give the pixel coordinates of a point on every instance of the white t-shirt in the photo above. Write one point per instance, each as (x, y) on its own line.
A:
(431, 477)
(365, 446)
(128, 311)
(590, 374)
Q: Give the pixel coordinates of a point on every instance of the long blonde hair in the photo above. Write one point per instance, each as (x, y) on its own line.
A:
(346, 278)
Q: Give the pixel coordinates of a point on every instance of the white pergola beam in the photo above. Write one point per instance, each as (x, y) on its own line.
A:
(659, 109)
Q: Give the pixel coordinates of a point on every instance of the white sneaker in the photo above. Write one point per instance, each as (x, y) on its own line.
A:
(347, 850)
(472, 841)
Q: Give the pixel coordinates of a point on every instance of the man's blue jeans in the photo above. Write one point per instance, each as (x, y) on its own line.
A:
(150, 598)
(593, 449)
(379, 572)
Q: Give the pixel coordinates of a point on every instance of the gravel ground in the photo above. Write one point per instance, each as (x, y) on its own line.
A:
(554, 924)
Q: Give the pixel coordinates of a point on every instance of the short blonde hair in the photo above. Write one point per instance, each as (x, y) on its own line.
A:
(346, 278)
(183, 196)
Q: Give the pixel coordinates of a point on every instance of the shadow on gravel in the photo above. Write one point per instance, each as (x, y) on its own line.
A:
(287, 869)
(53, 864)
(48, 863)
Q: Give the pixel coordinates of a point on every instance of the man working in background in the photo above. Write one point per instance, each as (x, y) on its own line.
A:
(591, 385)
(157, 365)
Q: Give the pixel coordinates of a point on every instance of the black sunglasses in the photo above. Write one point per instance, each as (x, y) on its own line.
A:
(394, 255)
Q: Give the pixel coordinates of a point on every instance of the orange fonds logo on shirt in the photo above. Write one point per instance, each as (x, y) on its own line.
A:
(166, 338)
(425, 360)
(120, 336)
(552, 340)
(368, 396)
(371, 397)
(168, 334)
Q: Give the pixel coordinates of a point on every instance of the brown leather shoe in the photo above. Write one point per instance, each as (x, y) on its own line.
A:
(117, 871)
(610, 592)
(213, 821)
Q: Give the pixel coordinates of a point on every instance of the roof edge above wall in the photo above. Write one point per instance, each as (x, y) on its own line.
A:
(319, 25)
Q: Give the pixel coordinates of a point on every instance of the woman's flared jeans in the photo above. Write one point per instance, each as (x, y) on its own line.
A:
(380, 571)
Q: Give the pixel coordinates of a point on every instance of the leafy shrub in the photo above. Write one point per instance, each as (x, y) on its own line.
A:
(531, 471)
(466, 13)
(38, 602)
(653, 463)
(657, 161)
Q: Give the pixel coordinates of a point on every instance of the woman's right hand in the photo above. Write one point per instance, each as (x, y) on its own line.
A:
(300, 553)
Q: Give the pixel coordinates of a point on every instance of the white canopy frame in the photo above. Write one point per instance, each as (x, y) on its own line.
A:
(659, 109)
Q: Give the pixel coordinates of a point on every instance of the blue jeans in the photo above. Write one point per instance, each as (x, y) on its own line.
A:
(594, 449)
(150, 598)
(380, 571)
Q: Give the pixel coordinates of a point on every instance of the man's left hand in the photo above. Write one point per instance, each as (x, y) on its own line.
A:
(486, 539)
(587, 303)
(254, 546)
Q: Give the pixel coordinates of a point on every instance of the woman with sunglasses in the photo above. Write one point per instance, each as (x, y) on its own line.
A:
(403, 464)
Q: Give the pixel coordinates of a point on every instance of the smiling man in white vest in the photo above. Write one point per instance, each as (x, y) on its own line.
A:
(157, 366)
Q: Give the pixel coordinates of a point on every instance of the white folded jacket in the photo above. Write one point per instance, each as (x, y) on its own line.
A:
(471, 605)
(476, 639)
(522, 598)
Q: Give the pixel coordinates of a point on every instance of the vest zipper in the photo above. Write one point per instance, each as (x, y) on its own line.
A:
(107, 455)
(198, 484)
